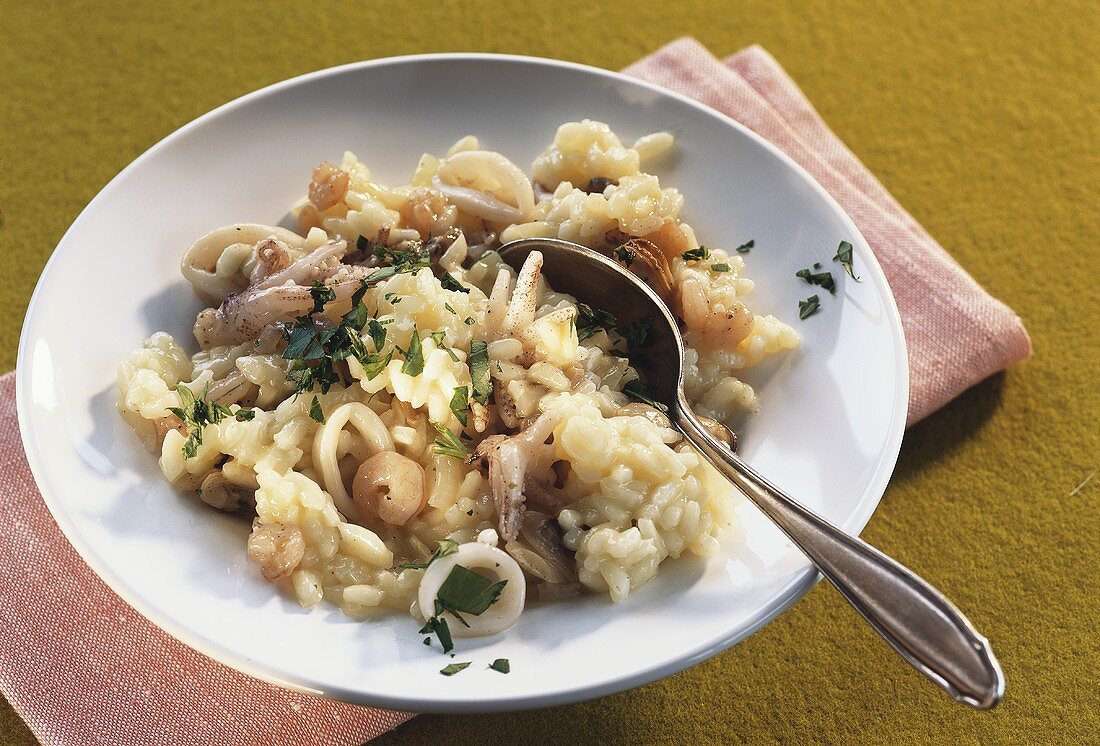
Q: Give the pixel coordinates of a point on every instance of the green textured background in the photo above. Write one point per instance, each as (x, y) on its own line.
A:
(981, 117)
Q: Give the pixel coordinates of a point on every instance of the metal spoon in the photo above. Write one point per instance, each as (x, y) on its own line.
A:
(920, 624)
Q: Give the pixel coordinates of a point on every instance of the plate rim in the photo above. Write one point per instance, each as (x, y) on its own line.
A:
(798, 586)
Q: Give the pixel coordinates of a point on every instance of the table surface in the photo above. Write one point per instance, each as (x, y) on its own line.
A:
(980, 117)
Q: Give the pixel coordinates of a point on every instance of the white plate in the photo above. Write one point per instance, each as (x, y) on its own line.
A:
(829, 430)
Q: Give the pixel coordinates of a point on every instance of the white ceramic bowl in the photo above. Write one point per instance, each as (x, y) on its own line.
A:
(828, 432)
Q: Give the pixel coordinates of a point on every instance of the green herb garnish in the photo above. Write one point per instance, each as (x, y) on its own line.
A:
(198, 412)
(313, 350)
(377, 334)
(439, 628)
(460, 403)
(450, 283)
(635, 333)
(450, 310)
(414, 356)
(822, 279)
(625, 255)
(502, 665)
(745, 248)
(808, 307)
(446, 546)
(479, 371)
(447, 443)
(844, 256)
(438, 338)
(591, 320)
(466, 592)
(722, 267)
(452, 668)
(636, 392)
(315, 411)
(692, 255)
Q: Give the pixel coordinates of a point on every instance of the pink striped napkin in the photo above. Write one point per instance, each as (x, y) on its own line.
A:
(82, 667)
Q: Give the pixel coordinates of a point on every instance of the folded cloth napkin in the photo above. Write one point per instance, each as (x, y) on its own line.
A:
(82, 667)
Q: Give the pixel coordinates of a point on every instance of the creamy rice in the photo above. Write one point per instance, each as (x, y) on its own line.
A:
(620, 491)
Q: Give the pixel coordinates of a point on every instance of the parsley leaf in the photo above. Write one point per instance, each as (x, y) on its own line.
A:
(479, 371)
(695, 254)
(808, 307)
(198, 412)
(466, 592)
(414, 356)
(502, 665)
(450, 283)
(439, 628)
(625, 255)
(822, 279)
(745, 248)
(321, 295)
(591, 320)
(315, 412)
(449, 309)
(377, 334)
(844, 256)
(722, 267)
(446, 546)
(452, 668)
(460, 403)
(447, 443)
(636, 392)
(636, 333)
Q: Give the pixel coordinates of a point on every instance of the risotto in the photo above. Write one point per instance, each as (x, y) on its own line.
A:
(411, 424)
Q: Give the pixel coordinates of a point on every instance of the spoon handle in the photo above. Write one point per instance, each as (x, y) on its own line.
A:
(921, 625)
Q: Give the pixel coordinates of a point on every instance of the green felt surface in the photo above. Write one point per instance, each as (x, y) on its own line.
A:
(981, 117)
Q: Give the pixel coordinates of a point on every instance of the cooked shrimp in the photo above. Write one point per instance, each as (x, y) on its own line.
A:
(428, 212)
(328, 187)
(277, 548)
(714, 313)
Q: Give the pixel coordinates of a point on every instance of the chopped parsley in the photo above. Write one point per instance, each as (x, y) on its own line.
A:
(315, 411)
(314, 350)
(449, 309)
(821, 279)
(808, 307)
(439, 628)
(502, 665)
(463, 592)
(460, 403)
(591, 320)
(696, 254)
(745, 248)
(479, 371)
(468, 321)
(400, 261)
(636, 333)
(198, 412)
(466, 592)
(636, 392)
(414, 356)
(392, 298)
(625, 255)
(721, 267)
(446, 546)
(377, 334)
(321, 295)
(450, 283)
(844, 256)
(447, 443)
(452, 668)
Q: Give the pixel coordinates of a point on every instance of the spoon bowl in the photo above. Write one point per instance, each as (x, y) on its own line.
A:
(924, 627)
